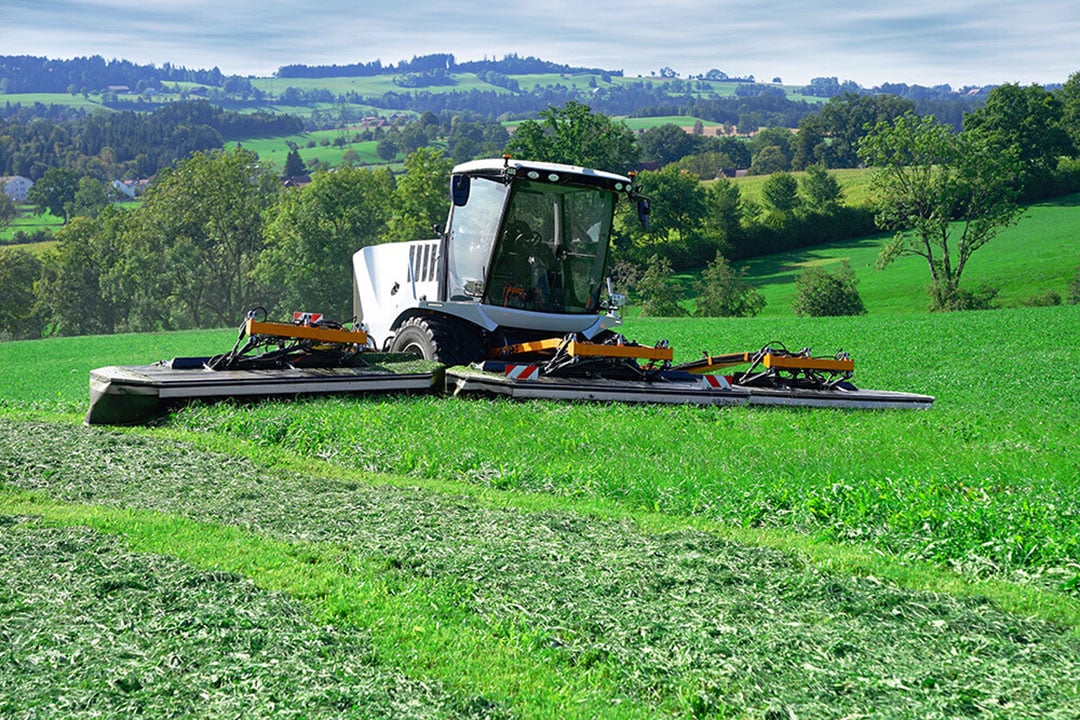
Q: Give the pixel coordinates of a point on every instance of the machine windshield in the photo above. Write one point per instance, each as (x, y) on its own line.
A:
(552, 248)
(473, 227)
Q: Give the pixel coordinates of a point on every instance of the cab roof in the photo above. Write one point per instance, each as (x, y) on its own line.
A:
(557, 173)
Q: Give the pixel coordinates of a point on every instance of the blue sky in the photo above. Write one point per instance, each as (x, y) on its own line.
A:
(924, 42)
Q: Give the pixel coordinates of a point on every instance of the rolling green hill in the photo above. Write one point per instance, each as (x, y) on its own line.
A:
(1037, 256)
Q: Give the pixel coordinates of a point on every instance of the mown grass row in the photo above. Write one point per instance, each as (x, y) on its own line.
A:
(481, 608)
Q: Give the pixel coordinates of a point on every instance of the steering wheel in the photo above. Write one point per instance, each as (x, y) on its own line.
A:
(521, 232)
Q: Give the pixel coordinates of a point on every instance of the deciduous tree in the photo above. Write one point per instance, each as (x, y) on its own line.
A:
(422, 198)
(657, 289)
(55, 192)
(575, 135)
(201, 231)
(724, 292)
(946, 194)
(19, 315)
(1028, 124)
(312, 234)
(8, 210)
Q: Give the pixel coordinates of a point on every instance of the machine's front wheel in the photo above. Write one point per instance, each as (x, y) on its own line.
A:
(446, 340)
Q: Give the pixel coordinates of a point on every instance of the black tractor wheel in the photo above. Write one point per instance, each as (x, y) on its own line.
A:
(446, 340)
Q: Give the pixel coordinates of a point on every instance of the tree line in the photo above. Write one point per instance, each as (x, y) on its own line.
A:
(217, 233)
(30, 74)
(510, 64)
(110, 145)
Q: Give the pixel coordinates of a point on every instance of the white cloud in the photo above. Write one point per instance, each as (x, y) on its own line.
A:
(918, 41)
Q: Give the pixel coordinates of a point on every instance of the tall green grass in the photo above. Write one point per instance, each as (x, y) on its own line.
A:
(986, 481)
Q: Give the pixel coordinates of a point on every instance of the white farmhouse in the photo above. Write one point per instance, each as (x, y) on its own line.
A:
(16, 187)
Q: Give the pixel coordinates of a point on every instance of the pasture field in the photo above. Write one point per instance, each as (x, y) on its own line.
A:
(440, 557)
(645, 123)
(855, 183)
(276, 149)
(1038, 255)
(29, 221)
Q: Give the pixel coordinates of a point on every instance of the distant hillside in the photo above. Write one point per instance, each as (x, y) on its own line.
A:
(510, 65)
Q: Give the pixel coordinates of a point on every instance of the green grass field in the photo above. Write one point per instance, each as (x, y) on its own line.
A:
(28, 222)
(276, 149)
(855, 183)
(446, 557)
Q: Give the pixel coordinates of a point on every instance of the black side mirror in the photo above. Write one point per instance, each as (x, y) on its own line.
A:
(459, 189)
(643, 211)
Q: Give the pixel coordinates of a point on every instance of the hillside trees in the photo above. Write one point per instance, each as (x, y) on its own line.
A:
(80, 288)
(945, 193)
(312, 234)
(575, 135)
(1029, 124)
(422, 200)
(20, 316)
(199, 236)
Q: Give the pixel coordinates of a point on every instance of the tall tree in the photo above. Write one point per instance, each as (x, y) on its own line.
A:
(55, 192)
(294, 164)
(676, 220)
(1028, 123)
(946, 194)
(723, 213)
(575, 135)
(312, 234)
(8, 210)
(19, 312)
(781, 192)
(821, 188)
(91, 197)
(202, 223)
(1069, 97)
(78, 288)
(724, 292)
(422, 198)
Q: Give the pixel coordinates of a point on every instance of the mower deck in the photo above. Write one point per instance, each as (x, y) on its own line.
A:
(673, 388)
(131, 395)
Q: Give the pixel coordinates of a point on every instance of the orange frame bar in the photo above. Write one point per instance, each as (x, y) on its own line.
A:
(307, 332)
(807, 363)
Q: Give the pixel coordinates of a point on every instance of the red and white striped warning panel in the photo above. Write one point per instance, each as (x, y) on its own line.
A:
(715, 382)
(522, 372)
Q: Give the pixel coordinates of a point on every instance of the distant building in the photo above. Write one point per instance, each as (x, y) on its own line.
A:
(124, 189)
(130, 189)
(16, 187)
